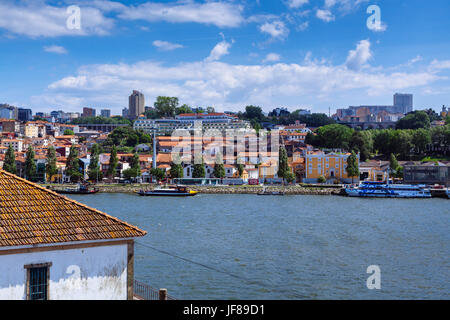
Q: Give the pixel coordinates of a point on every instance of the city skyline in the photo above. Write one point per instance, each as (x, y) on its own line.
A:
(226, 54)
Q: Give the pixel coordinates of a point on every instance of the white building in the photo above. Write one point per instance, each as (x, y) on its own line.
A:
(55, 248)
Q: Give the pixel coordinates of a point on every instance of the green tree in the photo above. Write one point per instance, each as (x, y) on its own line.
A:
(50, 167)
(421, 138)
(219, 169)
(30, 164)
(352, 166)
(199, 168)
(68, 132)
(402, 143)
(254, 113)
(94, 171)
(158, 173)
(283, 166)
(393, 163)
(362, 142)
(166, 106)
(321, 179)
(335, 136)
(113, 162)
(9, 164)
(73, 165)
(290, 177)
(183, 109)
(414, 120)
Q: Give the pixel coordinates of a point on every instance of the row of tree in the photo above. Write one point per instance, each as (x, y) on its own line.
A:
(404, 143)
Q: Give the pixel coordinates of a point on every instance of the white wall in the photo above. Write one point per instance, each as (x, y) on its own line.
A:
(84, 273)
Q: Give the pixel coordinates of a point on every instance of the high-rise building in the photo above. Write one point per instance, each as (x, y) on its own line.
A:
(105, 113)
(25, 114)
(8, 112)
(125, 112)
(136, 105)
(404, 102)
(88, 112)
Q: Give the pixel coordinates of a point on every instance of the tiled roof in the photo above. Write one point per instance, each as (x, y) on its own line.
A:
(31, 214)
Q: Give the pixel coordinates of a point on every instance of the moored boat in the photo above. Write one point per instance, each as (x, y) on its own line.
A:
(178, 191)
(383, 190)
(81, 189)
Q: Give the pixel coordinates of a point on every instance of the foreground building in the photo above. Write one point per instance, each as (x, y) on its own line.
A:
(52, 247)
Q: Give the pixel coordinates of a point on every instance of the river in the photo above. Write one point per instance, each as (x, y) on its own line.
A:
(287, 247)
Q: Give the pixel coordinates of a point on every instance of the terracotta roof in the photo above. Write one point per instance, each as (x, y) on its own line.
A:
(31, 214)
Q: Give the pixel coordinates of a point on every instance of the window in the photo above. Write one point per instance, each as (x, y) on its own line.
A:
(38, 276)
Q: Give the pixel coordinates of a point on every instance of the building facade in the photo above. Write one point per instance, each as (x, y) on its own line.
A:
(136, 105)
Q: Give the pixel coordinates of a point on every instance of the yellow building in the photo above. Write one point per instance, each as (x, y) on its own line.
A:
(330, 165)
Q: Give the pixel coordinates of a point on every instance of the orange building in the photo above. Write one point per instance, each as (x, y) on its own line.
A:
(332, 166)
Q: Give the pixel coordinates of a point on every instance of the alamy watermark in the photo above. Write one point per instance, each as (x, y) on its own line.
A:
(73, 21)
(374, 280)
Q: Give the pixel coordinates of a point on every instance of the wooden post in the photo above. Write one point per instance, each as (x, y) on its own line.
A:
(162, 294)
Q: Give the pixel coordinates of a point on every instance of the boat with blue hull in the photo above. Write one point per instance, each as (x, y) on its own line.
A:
(383, 190)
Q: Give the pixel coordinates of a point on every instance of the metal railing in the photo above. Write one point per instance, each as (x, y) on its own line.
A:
(143, 291)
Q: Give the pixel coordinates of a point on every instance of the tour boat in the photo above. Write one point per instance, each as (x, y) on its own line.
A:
(383, 190)
(178, 191)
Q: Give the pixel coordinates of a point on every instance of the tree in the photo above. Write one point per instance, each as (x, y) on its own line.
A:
(402, 143)
(421, 138)
(158, 173)
(352, 166)
(183, 109)
(135, 165)
(393, 163)
(113, 162)
(9, 164)
(50, 167)
(94, 171)
(283, 166)
(68, 132)
(210, 110)
(361, 142)
(240, 168)
(199, 168)
(166, 106)
(73, 165)
(335, 136)
(219, 169)
(414, 120)
(290, 177)
(321, 179)
(30, 164)
(254, 113)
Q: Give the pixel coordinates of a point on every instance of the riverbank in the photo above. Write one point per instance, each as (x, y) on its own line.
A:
(245, 189)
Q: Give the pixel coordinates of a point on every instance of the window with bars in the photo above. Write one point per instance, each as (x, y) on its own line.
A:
(38, 276)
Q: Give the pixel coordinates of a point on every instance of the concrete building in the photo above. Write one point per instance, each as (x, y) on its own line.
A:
(427, 173)
(88, 112)
(403, 102)
(136, 105)
(54, 248)
(8, 112)
(24, 115)
(105, 113)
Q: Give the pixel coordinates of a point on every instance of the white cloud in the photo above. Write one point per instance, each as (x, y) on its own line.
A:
(276, 29)
(229, 86)
(55, 49)
(166, 46)
(38, 20)
(295, 4)
(358, 58)
(324, 15)
(221, 14)
(272, 57)
(220, 50)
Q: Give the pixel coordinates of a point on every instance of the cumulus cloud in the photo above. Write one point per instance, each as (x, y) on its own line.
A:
(324, 15)
(220, 50)
(276, 29)
(166, 46)
(295, 4)
(272, 57)
(358, 58)
(221, 14)
(55, 49)
(40, 20)
(230, 86)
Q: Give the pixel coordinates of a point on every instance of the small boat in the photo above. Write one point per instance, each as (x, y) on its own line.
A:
(271, 193)
(383, 190)
(81, 189)
(448, 193)
(178, 191)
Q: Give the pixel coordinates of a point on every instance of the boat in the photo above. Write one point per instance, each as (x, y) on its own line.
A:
(448, 193)
(178, 191)
(81, 189)
(383, 190)
(271, 193)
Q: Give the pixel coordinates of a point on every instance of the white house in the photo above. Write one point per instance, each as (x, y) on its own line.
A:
(52, 247)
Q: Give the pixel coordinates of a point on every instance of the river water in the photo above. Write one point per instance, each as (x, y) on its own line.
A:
(287, 247)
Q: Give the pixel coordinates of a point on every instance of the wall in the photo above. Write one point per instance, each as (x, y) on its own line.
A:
(83, 273)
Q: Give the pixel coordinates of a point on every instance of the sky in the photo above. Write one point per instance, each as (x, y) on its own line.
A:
(315, 54)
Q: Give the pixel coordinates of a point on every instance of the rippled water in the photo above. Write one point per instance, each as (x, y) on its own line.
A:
(291, 247)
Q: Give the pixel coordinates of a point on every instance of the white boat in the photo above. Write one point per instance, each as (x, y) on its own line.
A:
(448, 193)
(383, 190)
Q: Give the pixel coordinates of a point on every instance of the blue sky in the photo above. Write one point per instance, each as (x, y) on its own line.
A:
(315, 54)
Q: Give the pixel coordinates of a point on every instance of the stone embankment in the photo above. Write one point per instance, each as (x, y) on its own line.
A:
(245, 189)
